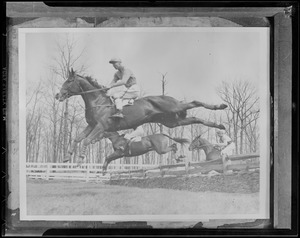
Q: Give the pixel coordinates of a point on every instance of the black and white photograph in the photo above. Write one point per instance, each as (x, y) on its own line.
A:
(144, 123)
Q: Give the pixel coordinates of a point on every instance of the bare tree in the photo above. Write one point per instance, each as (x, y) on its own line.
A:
(243, 111)
(67, 58)
(33, 118)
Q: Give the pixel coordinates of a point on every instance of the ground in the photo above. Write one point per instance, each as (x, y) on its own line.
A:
(232, 183)
(215, 195)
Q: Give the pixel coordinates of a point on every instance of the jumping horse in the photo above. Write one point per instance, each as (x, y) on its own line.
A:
(156, 142)
(99, 108)
(211, 152)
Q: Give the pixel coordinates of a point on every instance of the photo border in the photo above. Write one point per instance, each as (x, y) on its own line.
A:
(281, 152)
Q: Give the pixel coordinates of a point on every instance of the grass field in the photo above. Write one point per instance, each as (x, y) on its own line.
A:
(81, 198)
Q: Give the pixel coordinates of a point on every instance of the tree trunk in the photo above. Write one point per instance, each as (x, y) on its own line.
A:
(65, 135)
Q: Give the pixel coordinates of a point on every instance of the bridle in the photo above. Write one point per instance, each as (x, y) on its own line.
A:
(89, 91)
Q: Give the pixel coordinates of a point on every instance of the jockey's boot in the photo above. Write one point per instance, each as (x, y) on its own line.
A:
(119, 114)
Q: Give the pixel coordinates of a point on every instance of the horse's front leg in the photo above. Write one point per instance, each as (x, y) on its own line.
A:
(96, 133)
(115, 155)
(77, 140)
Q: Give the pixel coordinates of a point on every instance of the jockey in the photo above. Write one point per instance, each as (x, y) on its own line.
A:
(134, 136)
(123, 86)
(225, 143)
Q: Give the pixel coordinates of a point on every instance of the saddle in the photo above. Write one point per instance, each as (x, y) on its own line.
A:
(125, 101)
(126, 147)
(128, 102)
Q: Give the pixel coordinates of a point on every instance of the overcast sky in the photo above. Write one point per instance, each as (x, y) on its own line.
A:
(196, 60)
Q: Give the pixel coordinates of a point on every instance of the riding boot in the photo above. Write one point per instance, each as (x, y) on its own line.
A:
(119, 107)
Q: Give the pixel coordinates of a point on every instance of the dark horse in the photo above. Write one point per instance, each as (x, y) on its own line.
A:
(156, 142)
(99, 107)
(211, 152)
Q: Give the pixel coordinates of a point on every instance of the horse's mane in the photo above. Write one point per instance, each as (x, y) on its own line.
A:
(204, 141)
(92, 81)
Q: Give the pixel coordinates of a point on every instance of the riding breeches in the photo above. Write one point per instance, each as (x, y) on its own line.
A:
(121, 92)
(229, 149)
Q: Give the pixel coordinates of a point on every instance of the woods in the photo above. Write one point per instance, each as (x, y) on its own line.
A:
(52, 125)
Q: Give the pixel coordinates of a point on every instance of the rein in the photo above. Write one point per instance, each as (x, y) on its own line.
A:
(90, 91)
(199, 147)
(202, 146)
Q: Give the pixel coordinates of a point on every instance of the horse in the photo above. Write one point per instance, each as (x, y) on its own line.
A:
(156, 142)
(211, 152)
(99, 108)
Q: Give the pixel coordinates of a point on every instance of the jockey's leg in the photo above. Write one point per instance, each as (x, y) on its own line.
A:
(132, 92)
(119, 104)
(119, 107)
(117, 93)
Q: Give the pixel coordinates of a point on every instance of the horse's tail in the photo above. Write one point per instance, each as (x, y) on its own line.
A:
(178, 139)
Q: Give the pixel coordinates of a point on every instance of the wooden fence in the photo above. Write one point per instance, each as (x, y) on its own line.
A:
(93, 172)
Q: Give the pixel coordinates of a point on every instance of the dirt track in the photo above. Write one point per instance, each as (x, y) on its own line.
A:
(233, 183)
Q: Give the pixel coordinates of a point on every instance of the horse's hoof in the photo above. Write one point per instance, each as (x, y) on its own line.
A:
(223, 106)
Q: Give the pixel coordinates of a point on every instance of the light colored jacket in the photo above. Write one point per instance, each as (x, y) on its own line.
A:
(135, 135)
(125, 77)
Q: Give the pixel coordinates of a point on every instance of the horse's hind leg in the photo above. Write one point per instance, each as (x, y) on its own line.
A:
(194, 104)
(189, 121)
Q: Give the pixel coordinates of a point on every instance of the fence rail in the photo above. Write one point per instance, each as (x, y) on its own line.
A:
(93, 172)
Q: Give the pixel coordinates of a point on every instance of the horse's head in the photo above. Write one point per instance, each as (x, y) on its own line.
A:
(77, 85)
(70, 87)
(198, 143)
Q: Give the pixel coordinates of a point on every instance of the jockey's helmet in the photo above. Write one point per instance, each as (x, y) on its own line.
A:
(114, 60)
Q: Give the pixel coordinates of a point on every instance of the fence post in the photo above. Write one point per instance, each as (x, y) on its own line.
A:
(225, 162)
(47, 171)
(187, 164)
(87, 172)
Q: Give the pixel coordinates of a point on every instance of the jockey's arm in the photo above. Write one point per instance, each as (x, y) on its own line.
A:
(125, 76)
(221, 144)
